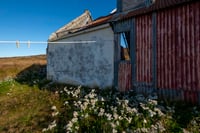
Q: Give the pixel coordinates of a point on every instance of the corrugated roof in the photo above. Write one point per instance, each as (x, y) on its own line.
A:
(99, 21)
(157, 5)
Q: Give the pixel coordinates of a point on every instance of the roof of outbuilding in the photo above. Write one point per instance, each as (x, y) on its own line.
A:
(72, 26)
(81, 23)
(99, 21)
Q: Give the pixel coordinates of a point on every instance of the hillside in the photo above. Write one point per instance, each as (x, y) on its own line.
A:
(10, 67)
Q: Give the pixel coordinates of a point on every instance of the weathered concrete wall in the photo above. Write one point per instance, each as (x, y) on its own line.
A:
(89, 64)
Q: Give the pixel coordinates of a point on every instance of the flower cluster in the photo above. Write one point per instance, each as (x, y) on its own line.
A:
(50, 127)
(53, 124)
(93, 109)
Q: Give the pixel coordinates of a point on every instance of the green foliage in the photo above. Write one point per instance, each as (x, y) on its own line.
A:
(183, 114)
(172, 126)
(194, 125)
(5, 86)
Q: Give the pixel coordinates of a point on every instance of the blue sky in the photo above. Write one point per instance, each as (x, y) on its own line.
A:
(35, 20)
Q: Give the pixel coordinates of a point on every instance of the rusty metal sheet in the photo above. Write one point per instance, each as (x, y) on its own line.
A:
(144, 48)
(178, 48)
(124, 76)
(177, 53)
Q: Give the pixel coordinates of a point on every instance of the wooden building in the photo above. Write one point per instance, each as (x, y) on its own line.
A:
(163, 40)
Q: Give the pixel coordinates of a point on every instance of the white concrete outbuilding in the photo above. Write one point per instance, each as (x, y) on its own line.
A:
(83, 52)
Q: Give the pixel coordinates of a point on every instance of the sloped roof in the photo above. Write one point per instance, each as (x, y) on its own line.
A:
(156, 5)
(99, 21)
(72, 26)
(79, 24)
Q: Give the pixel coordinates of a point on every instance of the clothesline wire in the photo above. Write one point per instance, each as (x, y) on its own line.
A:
(43, 42)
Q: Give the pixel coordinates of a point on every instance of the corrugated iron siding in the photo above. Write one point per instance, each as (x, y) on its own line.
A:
(144, 48)
(124, 76)
(178, 50)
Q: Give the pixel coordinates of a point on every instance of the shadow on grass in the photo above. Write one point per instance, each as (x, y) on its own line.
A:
(35, 75)
(184, 114)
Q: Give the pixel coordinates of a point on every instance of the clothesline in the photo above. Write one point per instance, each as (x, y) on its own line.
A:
(42, 42)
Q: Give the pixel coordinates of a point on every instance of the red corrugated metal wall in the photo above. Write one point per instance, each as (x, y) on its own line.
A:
(144, 48)
(124, 76)
(177, 53)
(178, 50)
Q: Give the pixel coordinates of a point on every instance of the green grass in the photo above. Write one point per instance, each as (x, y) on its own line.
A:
(24, 108)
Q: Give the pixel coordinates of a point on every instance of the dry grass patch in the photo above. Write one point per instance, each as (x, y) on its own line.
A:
(10, 67)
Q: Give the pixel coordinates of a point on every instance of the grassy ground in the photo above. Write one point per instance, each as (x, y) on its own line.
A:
(25, 106)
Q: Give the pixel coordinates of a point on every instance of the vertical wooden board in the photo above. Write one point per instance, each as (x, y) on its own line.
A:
(141, 67)
(150, 48)
(138, 39)
(196, 56)
(146, 77)
(179, 48)
(143, 43)
(137, 49)
(165, 53)
(144, 74)
(138, 62)
(144, 48)
(174, 48)
(158, 27)
(193, 53)
(138, 45)
(197, 43)
(119, 78)
(162, 50)
(169, 77)
(129, 82)
(124, 76)
(185, 56)
(170, 36)
(146, 57)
